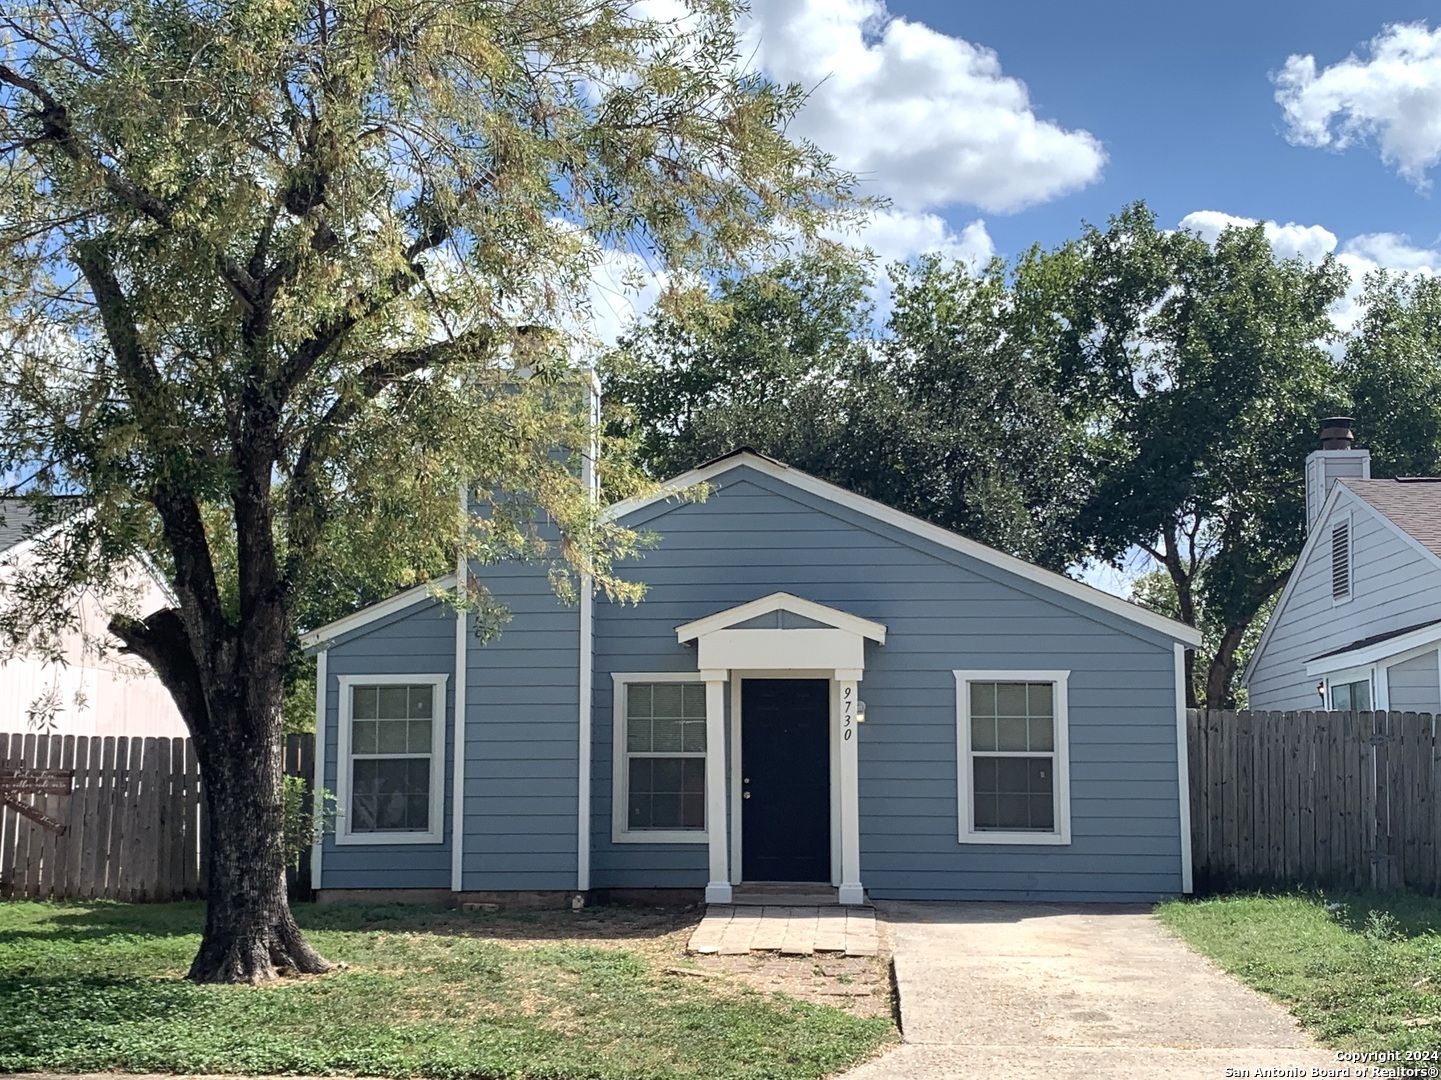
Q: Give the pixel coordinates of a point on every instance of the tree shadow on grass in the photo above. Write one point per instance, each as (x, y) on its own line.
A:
(99, 919)
(1386, 914)
(609, 923)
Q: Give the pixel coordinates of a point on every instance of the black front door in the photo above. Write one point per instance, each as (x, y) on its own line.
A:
(785, 780)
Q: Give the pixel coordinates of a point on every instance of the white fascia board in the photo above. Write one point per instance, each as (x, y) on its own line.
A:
(1076, 590)
(379, 610)
(841, 620)
(1338, 492)
(1388, 652)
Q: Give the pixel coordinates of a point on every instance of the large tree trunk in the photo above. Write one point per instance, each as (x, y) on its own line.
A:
(1221, 675)
(250, 934)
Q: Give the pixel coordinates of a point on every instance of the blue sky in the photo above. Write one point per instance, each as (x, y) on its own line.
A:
(993, 126)
(1183, 102)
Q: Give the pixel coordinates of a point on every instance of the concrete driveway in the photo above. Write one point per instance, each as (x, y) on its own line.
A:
(1027, 990)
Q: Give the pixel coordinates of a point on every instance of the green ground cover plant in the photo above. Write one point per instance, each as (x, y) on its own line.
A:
(1361, 971)
(99, 986)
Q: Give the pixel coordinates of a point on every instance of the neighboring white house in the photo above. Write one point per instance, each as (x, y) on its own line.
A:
(90, 690)
(1359, 623)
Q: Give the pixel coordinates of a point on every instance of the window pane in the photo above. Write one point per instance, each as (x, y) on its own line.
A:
(1014, 793)
(419, 740)
(983, 699)
(1361, 696)
(362, 737)
(393, 702)
(362, 702)
(391, 795)
(693, 700)
(983, 733)
(985, 774)
(421, 703)
(638, 735)
(667, 735)
(693, 736)
(1042, 733)
(1010, 699)
(391, 736)
(1040, 697)
(1012, 733)
(666, 700)
(667, 793)
(637, 699)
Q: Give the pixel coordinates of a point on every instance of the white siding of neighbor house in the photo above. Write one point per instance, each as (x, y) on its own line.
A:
(1415, 684)
(1394, 585)
(93, 689)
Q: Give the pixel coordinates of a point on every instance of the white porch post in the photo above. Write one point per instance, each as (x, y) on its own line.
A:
(718, 888)
(848, 694)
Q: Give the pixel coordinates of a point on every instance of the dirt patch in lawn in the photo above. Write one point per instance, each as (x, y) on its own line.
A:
(859, 985)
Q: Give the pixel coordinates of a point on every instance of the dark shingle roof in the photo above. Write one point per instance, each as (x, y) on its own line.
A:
(15, 519)
(1375, 639)
(1413, 504)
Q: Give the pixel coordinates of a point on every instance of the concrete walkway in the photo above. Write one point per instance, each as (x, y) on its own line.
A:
(1005, 991)
(734, 930)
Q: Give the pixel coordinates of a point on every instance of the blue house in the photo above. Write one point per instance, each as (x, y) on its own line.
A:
(816, 688)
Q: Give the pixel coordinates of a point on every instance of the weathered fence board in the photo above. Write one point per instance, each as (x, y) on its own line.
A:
(134, 818)
(1320, 799)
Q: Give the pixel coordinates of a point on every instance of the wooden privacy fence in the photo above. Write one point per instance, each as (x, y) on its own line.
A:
(1316, 799)
(133, 818)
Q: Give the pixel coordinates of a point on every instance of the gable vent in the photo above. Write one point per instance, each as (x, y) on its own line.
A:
(1340, 560)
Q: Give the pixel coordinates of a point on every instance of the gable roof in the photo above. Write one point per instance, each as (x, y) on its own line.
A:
(322, 635)
(783, 601)
(1412, 504)
(1402, 505)
(18, 519)
(1076, 590)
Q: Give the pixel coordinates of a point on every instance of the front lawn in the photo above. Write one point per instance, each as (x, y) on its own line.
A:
(98, 986)
(1361, 971)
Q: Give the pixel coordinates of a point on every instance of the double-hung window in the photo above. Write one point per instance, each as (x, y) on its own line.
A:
(392, 756)
(660, 755)
(1013, 757)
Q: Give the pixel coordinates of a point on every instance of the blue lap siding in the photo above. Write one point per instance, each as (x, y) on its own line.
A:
(522, 744)
(417, 641)
(944, 611)
(755, 535)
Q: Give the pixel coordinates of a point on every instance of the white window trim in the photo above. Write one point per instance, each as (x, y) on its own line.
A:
(1349, 519)
(620, 775)
(1368, 675)
(1061, 769)
(436, 834)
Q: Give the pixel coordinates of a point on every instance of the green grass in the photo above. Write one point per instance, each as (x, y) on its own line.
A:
(98, 986)
(1353, 968)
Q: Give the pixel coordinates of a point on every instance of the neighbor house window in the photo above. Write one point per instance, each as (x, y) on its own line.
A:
(392, 750)
(1351, 696)
(660, 743)
(1013, 757)
(1341, 551)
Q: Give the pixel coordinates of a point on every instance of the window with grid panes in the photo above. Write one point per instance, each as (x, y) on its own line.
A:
(1013, 752)
(392, 733)
(665, 756)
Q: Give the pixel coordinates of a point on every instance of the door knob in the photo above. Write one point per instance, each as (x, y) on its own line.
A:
(745, 795)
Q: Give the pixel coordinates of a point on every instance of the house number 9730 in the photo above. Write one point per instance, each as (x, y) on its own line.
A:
(848, 711)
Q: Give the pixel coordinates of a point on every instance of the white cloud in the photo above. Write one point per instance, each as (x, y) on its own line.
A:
(1359, 256)
(1310, 242)
(926, 119)
(900, 234)
(622, 288)
(1393, 96)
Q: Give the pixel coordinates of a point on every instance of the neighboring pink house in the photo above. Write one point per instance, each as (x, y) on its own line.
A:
(92, 690)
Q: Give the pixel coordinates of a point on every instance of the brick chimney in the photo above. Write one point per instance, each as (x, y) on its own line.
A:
(1337, 458)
